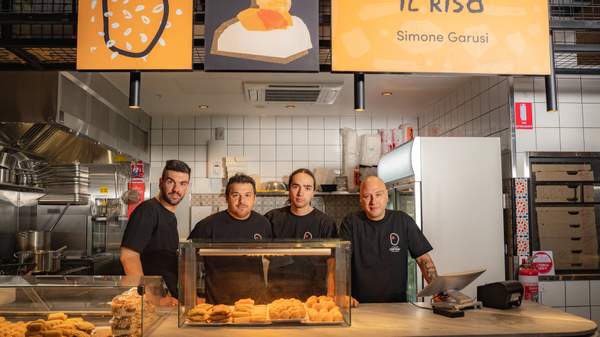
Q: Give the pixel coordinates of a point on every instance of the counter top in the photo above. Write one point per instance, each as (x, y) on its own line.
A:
(570, 277)
(404, 319)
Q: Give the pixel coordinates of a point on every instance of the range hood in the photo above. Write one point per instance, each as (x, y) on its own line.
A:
(67, 117)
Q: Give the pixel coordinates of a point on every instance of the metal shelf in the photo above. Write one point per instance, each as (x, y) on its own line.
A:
(21, 188)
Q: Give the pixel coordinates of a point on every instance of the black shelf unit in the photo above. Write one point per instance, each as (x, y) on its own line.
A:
(561, 158)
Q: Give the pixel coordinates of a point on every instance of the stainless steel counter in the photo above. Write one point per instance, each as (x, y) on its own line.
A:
(403, 319)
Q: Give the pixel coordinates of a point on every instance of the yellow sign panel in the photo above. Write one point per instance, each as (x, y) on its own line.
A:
(441, 36)
(104, 189)
(134, 35)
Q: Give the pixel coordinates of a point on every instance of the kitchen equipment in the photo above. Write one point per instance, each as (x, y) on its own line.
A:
(7, 160)
(450, 285)
(274, 186)
(7, 176)
(45, 261)
(59, 217)
(501, 295)
(328, 187)
(24, 178)
(342, 183)
(33, 240)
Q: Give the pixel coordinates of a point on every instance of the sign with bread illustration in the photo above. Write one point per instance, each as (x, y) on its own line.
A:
(262, 35)
(134, 35)
(458, 36)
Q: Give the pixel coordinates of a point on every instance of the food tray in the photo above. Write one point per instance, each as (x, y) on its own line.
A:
(295, 320)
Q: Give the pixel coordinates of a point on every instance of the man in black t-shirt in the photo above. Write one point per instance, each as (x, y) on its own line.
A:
(151, 239)
(381, 240)
(229, 279)
(301, 276)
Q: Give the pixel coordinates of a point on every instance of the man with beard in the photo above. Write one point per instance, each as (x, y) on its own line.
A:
(301, 276)
(229, 278)
(151, 239)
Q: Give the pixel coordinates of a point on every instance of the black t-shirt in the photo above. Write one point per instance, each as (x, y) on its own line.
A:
(299, 276)
(230, 278)
(314, 225)
(152, 232)
(379, 254)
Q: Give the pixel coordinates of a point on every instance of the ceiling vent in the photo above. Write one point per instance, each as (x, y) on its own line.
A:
(315, 93)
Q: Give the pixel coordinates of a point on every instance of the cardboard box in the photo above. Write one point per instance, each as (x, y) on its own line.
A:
(578, 262)
(566, 230)
(560, 167)
(558, 193)
(589, 193)
(564, 176)
(566, 215)
(564, 247)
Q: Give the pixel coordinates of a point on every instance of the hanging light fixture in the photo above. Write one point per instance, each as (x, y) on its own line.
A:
(550, 81)
(359, 92)
(135, 82)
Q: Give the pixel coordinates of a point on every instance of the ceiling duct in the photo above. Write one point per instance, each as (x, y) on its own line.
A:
(315, 93)
(70, 117)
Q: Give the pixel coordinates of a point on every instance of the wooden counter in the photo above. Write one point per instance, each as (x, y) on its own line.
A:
(403, 319)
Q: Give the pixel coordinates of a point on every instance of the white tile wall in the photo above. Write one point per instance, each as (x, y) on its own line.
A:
(577, 121)
(579, 311)
(552, 293)
(571, 139)
(591, 137)
(571, 115)
(577, 293)
(272, 145)
(595, 315)
(548, 139)
(595, 293)
(479, 108)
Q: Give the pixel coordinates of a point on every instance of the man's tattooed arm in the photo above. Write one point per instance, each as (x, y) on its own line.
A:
(427, 267)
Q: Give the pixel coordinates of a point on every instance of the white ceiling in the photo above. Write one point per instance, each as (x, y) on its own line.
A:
(180, 93)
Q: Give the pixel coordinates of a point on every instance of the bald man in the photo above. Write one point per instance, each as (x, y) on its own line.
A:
(381, 240)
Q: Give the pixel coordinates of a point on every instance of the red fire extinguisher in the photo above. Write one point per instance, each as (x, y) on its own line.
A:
(529, 278)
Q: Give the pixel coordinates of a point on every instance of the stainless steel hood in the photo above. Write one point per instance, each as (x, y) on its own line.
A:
(68, 117)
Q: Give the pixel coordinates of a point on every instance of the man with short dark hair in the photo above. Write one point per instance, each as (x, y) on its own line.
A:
(231, 278)
(151, 239)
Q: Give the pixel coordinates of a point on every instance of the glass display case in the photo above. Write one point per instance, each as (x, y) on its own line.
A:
(264, 283)
(80, 306)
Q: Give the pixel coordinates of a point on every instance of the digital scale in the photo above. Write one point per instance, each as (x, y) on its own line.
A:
(452, 301)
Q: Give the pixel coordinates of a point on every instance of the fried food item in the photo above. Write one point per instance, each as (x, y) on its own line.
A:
(57, 316)
(85, 326)
(200, 309)
(290, 308)
(323, 309)
(245, 301)
(220, 313)
(52, 333)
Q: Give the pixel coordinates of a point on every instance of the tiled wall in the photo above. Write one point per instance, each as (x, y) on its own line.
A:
(479, 108)
(336, 206)
(581, 298)
(273, 146)
(575, 127)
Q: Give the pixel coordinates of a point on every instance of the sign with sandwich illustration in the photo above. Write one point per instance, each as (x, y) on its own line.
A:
(441, 36)
(271, 35)
(134, 35)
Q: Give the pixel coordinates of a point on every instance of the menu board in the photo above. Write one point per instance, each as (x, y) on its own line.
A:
(441, 36)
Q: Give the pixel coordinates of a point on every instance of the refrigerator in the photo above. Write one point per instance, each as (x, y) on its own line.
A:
(452, 187)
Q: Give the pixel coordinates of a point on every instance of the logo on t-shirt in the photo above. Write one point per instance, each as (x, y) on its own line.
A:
(307, 236)
(257, 236)
(394, 240)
